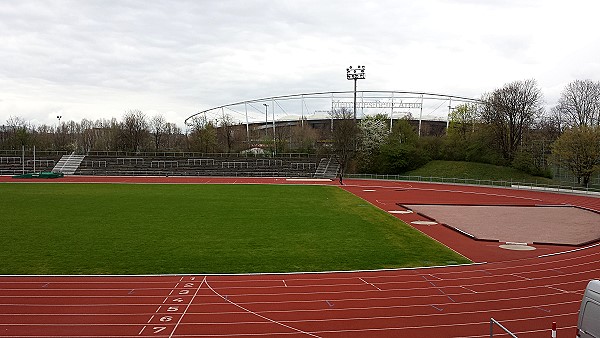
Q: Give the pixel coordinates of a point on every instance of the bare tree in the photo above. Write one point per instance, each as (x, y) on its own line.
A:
(510, 111)
(87, 136)
(172, 136)
(19, 132)
(579, 104)
(158, 129)
(134, 130)
(345, 138)
(226, 131)
(303, 138)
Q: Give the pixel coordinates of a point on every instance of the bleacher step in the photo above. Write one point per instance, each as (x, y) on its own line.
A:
(68, 164)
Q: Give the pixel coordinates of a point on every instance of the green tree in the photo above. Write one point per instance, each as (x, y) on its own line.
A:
(578, 150)
(402, 151)
(373, 132)
(462, 121)
(203, 136)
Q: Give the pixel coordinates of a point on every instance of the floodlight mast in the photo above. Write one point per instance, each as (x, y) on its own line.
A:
(355, 74)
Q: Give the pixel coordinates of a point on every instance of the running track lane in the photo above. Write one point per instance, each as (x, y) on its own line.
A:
(526, 293)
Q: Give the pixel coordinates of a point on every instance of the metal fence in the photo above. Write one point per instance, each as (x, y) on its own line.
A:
(533, 185)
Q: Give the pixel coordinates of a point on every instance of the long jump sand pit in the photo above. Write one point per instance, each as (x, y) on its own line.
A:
(534, 224)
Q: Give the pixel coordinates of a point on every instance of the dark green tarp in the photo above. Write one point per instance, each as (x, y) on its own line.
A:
(44, 174)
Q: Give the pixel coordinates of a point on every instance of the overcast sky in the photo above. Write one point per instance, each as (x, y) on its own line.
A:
(97, 59)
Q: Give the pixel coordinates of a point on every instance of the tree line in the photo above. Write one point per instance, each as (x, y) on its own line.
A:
(510, 126)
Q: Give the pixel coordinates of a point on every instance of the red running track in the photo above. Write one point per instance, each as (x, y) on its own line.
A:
(525, 291)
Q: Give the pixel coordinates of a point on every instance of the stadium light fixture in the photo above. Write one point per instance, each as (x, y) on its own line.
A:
(355, 74)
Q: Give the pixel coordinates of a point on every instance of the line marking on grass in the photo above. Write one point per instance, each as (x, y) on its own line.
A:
(257, 314)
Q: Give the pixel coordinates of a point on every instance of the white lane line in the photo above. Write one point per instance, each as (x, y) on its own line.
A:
(187, 307)
(259, 315)
(553, 288)
(525, 278)
(373, 285)
(473, 291)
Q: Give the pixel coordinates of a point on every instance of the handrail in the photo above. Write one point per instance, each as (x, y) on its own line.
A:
(470, 181)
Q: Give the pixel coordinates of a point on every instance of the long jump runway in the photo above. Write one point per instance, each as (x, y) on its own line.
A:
(525, 290)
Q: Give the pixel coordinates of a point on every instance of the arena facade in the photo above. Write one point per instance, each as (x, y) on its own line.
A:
(427, 112)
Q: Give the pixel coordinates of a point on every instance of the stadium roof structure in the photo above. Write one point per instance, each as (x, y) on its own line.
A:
(320, 105)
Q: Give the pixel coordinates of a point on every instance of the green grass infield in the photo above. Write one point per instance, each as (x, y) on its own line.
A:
(55, 228)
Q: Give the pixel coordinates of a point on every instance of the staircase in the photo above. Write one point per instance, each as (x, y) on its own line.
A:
(68, 164)
(328, 168)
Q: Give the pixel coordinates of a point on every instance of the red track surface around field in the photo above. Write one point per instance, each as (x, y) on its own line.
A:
(525, 290)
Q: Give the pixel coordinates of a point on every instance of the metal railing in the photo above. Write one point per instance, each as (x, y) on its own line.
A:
(194, 154)
(496, 183)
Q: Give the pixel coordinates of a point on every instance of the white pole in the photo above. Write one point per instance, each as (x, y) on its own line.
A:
(332, 112)
(34, 158)
(302, 103)
(23, 157)
(448, 118)
(247, 127)
(392, 113)
(421, 115)
(273, 110)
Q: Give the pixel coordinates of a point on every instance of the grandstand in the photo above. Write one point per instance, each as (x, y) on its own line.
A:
(110, 163)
